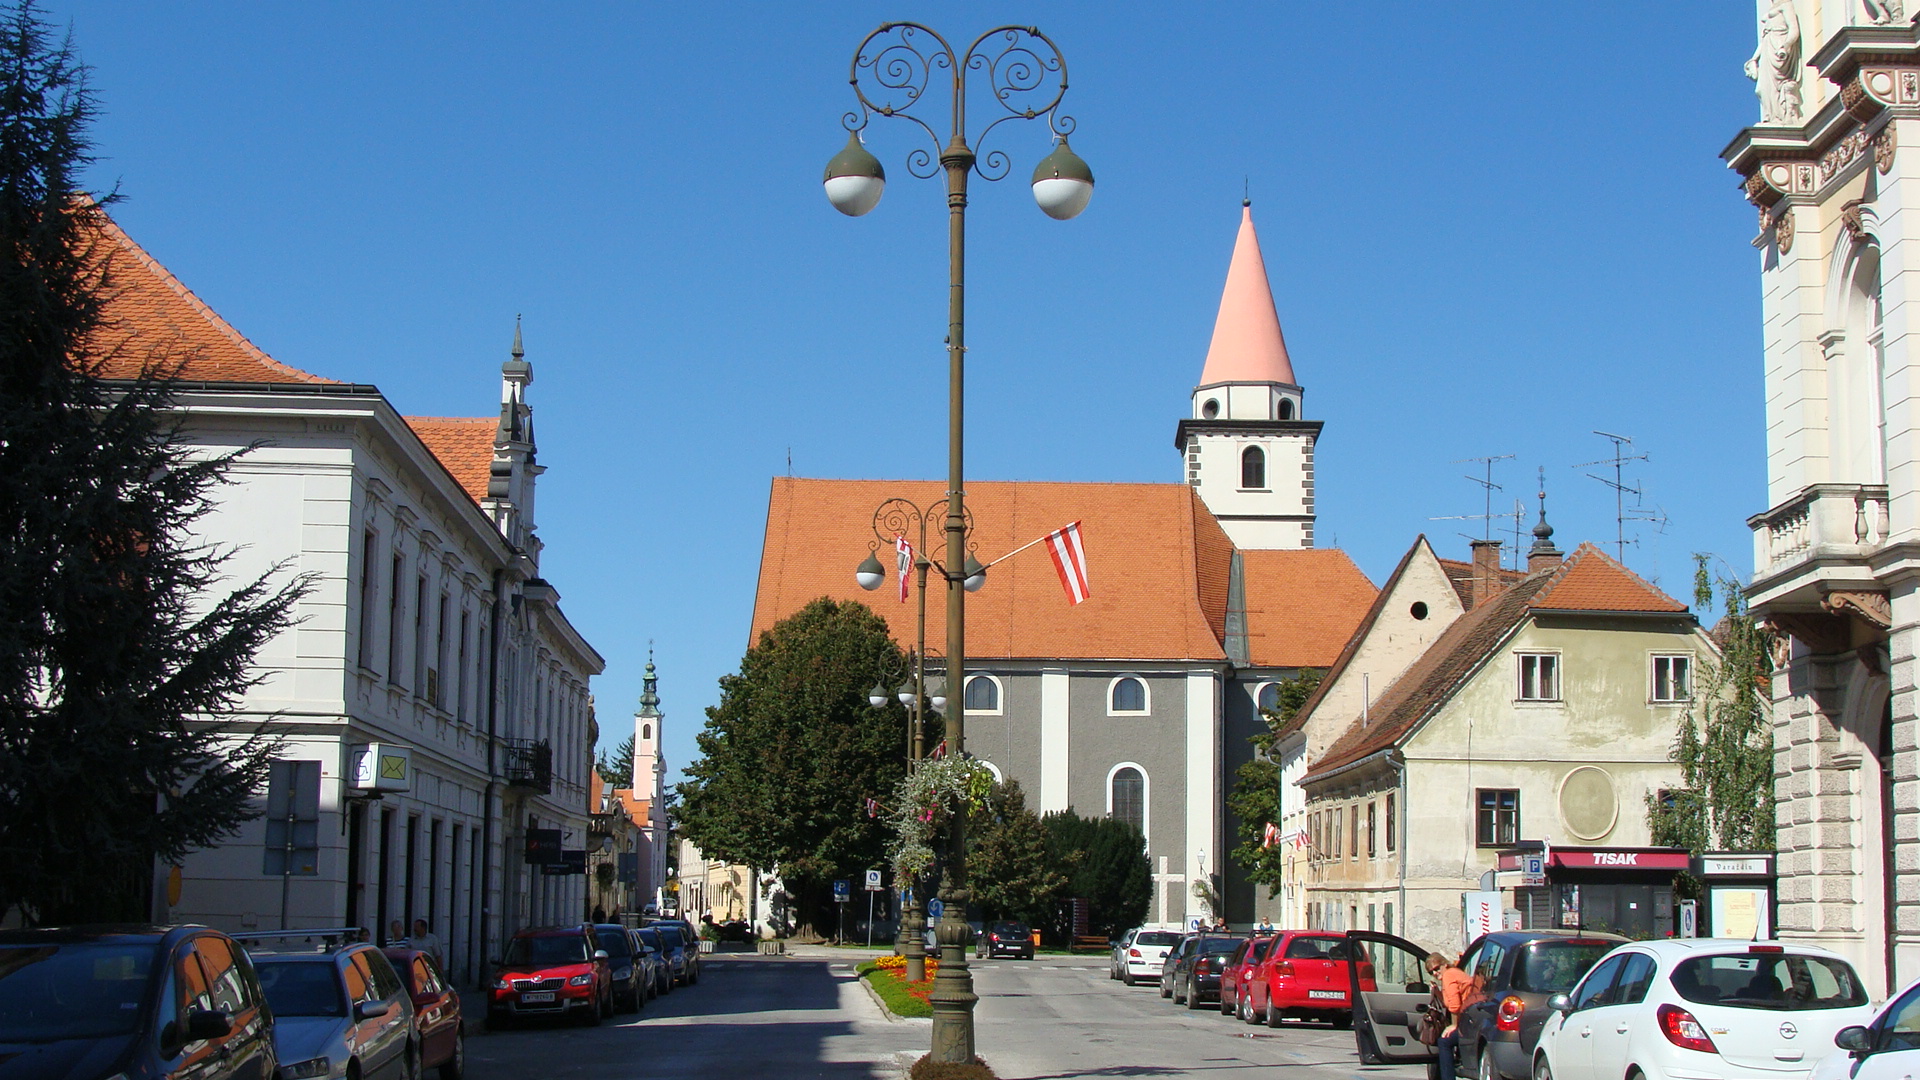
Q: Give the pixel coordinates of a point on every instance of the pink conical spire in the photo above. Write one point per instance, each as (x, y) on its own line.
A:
(1247, 344)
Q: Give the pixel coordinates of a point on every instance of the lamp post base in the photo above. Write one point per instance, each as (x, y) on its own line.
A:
(952, 997)
(913, 945)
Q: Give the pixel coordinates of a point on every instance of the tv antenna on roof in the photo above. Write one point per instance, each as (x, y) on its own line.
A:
(1623, 452)
(1486, 519)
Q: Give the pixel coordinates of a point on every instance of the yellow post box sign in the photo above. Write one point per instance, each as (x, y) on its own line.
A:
(381, 767)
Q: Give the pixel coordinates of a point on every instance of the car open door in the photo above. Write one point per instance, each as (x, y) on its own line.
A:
(1388, 989)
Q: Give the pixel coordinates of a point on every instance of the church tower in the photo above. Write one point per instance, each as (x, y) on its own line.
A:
(649, 776)
(1249, 450)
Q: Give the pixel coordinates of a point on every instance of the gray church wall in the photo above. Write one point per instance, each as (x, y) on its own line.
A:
(1155, 741)
(1011, 740)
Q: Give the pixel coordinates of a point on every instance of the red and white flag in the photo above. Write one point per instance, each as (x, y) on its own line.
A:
(904, 551)
(1270, 836)
(1070, 559)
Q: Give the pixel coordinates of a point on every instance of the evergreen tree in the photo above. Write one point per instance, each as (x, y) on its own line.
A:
(1725, 744)
(1009, 868)
(1255, 798)
(792, 753)
(123, 643)
(617, 768)
(1105, 861)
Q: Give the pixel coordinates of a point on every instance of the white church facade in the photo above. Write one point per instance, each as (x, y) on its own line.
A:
(1139, 702)
(1837, 543)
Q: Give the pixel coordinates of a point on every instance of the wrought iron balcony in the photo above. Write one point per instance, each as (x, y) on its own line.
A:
(528, 763)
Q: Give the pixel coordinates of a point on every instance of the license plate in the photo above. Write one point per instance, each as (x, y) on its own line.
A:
(534, 999)
(1336, 994)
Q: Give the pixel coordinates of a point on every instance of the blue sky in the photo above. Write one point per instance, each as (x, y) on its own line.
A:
(1490, 228)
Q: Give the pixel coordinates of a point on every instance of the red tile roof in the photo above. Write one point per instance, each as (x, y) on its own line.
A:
(151, 320)
(1302, 606)
(464, 446)
(1593, 581)
(1358, 635)
(1157, 564)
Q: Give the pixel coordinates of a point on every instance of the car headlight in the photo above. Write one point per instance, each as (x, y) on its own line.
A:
(305, 1070)
(581, 980)
(624, 973)
(500, 982)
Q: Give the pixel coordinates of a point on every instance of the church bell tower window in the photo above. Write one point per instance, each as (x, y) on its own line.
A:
(1286, 408)
(1211, 409)
(1253, 467)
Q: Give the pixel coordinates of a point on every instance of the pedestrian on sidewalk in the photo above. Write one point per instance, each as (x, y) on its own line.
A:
(396, 934)
(429, 942)
(1454, 987)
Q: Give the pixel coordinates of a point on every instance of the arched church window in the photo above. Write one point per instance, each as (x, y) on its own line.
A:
(1128, 695)
(1286, 408)
(1211, 409)
(1268, 696)
(1253, 467)
(1127, 797)
(983, 694)
(646, 732)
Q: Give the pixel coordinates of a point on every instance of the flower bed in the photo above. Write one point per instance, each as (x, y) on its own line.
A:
(887, 976)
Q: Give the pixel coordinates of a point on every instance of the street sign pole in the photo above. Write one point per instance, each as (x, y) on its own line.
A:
(869, 920)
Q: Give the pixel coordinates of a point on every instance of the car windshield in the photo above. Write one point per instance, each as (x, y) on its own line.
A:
(301, 987)
(1787, 982)
(74, 991)
(651, 939)
(1552, 967)
(549, 950)
(1156, 937)
(1316, 948)
(1219, 945)
(616, 943)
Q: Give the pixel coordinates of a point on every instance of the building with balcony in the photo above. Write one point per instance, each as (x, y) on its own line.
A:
(1836, 552)
(432, 697)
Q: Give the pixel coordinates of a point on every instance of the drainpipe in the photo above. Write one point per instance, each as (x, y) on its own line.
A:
(1400, 767)
(493, 714)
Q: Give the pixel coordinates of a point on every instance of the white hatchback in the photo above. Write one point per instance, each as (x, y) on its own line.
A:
(1888, 1048)
(1701, 1009)
(1147, 953)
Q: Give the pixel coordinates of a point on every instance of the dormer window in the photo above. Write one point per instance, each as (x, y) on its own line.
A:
(1253, 467)
(1211, 409)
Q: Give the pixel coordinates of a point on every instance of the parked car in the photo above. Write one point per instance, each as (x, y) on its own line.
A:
(662, 961)
(1196, 975)
(436, 1012)
(1701, 1007)
(1517, 971)
(622, 973)
(1386, 990)
(141, 1003)
(1117, 957)
(682, 952)
(1179, 950)
(1238, 973)
(552, 971)
(1006, 938)
(341, 1011)
(646, 959)
(1881, 1050)
(1304, 975)
(1147, 954)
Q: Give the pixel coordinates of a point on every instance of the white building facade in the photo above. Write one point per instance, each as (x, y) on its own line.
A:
(1837, 550)
(432, 699)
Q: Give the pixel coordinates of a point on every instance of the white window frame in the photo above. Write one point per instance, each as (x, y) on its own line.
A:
(999, 695)
(1653, 678)
(1520, 676)
(998, 777)
(1266, 462)
(1146, 796)
(1146, 697)
(1260, 688)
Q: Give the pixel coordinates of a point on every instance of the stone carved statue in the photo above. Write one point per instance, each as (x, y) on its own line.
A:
(1775, 66)
(1883, 12)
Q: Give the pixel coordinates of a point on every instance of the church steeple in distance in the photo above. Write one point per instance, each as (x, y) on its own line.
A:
(1248, 452)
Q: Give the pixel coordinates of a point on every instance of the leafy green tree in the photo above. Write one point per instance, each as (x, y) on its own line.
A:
(1009, 868)
(617, 768)
(1105, 861)
(792, 753)
(1725, 744)
(123, 641)
(1255, 798)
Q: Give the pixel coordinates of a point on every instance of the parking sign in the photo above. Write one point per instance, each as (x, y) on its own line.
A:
(842, 891)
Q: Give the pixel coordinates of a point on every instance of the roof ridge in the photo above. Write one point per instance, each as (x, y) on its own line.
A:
(200, 307)
(1577, 563)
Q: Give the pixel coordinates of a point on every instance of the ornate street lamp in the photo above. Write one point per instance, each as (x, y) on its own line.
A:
(891, 72)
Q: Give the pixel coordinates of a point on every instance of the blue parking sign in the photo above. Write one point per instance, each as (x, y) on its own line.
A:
(842, 891)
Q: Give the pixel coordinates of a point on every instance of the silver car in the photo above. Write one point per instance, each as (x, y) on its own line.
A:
(338, 1012)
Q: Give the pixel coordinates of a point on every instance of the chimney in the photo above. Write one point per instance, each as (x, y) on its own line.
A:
(1486, 571)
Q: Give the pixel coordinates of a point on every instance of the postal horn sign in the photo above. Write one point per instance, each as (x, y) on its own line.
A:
(381, 767)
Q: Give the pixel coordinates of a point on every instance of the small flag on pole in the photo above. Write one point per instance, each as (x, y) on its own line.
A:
(1070, 559)
(873, 808)
(904, 550)
(1270, 836)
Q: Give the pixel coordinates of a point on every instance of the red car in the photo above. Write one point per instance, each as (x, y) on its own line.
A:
(554, 971)
(436, 1012)
(1239, 971)
(1304, 974)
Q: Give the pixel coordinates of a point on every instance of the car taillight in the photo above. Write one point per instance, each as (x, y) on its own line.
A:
(1508, 1016)
(1682, 1030)
(1366, 971)
(1135, 953)
(1283, 970)
(1202, 966)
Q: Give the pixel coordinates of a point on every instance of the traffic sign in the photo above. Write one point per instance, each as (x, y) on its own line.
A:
(873, 882)
(935, 908)
(842, 891)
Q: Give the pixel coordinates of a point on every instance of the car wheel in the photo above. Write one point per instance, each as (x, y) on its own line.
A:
(1166, 989)
(1273, 1014)
(454, 1067)
(1487, 1070)
(1541, 1070)
(1193, 995)
(1246, 1009)
(1226, 1007)
(590, 1016)
(1127, 977)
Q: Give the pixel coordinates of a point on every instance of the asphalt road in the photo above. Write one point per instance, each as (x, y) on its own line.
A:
(804, 1016)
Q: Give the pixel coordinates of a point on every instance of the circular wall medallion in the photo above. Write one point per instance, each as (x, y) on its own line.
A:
(1588, 807)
